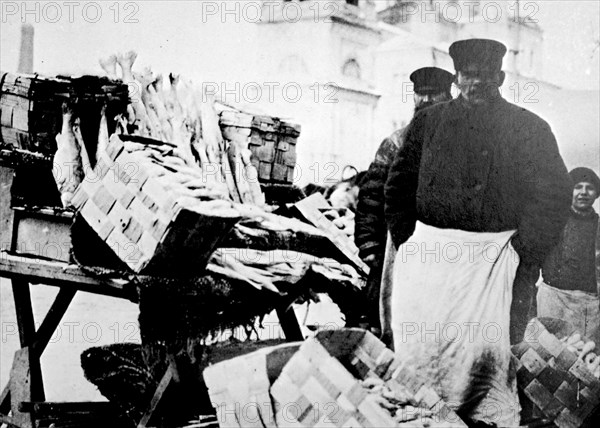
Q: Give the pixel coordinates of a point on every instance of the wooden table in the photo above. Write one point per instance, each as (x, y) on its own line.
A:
(23, 397)
(25, 384)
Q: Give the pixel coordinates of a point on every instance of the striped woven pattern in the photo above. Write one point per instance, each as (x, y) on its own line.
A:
(140, 220)
(557, 383)
(239, 387)
(30, 107)
(271, 141)
(320, 385)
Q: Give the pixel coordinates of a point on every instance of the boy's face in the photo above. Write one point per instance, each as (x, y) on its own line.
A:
(584, 195)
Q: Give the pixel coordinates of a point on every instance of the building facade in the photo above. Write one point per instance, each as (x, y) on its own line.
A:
(351, 59)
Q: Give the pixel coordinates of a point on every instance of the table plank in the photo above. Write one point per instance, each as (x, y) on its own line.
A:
(61, 274)
(52, 319)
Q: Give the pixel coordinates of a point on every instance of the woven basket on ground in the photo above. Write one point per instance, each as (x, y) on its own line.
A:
(553, 379)
(239, 387)
(319, 385)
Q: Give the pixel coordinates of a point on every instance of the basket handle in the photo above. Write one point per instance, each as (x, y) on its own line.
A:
(346, 168)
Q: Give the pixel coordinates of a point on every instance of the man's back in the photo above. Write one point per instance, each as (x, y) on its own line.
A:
(371, 231)
(484, 169)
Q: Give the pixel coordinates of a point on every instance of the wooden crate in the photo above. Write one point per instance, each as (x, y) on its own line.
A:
(271, 141)
(320, 385)
(43, 233)
(140, 219)
(552, 378)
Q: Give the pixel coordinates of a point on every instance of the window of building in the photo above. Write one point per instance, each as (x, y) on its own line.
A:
(351, 69)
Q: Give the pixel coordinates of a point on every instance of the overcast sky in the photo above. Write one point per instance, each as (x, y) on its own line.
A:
(571, 29)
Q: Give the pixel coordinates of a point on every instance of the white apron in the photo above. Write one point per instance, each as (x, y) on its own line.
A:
(451, 298)
(385, 295)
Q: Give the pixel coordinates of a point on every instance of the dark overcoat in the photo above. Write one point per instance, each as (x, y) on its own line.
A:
(484, 169)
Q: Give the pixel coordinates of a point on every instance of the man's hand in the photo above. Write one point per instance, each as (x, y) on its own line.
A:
(523, 306)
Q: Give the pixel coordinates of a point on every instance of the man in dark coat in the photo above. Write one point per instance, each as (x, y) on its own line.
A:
(473, 171)
(431, 85)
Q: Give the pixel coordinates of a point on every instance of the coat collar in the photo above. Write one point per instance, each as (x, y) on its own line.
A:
(494, 104)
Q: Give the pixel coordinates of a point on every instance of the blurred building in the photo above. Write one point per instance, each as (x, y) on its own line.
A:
(350, 60)
(424, 31)
(328, 50)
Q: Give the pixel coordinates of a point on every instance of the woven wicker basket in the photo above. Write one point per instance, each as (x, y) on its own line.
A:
(320, 385)
(239, 387)
(140, 220)
(552, 378)
(31, 108)
(271, 141)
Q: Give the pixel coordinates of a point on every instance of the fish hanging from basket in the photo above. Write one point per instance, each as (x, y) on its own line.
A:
(71, 158)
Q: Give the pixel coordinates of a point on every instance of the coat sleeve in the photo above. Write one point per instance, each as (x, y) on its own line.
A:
(546, 194)
(371, 230)
(401, 186)
(598, 258)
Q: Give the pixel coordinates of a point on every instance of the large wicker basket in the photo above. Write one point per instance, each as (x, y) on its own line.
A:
(549, 375)
(140, 220)
(320, 385)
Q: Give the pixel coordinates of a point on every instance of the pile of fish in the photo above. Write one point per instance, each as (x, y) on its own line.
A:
(399, 403)
(584, 351)
(176, 111)
(171, 111)
(267, 269)
(343, 218)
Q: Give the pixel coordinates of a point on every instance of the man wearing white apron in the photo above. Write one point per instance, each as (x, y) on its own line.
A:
(476, 179)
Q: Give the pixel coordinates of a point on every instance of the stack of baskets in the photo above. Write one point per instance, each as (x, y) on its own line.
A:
(31, 117)
(31, 108)
(271, 140)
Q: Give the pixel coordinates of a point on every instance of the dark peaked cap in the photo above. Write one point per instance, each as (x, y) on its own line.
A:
(486, 52)
(582, 174)
(431, 80)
